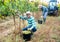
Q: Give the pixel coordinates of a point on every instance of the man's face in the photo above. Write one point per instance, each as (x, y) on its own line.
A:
(28, 15)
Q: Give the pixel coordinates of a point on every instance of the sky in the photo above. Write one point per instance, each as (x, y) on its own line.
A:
(48, 1)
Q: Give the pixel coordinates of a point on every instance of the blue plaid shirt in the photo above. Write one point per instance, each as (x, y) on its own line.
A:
(44, 9)
(31, 21)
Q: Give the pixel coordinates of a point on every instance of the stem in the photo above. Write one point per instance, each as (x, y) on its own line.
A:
(15, 28)
(20, 29)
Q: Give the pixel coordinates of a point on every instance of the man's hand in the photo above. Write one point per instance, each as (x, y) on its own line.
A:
(29, 29)
(41, 16)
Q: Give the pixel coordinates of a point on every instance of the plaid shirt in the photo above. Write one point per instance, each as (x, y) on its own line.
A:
(44, 9)
(31, 21)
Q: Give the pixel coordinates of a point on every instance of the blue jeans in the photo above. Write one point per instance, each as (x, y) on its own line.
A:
(26, 28)
(44, 16)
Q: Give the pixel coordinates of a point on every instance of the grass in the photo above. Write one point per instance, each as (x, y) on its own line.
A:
(46, 32)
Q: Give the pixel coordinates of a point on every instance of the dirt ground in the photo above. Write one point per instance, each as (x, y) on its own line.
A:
(48, 32)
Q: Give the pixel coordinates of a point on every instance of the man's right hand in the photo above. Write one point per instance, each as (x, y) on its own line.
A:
(41, 16)
(29, 29)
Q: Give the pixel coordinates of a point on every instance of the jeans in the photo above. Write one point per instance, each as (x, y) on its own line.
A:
(26, 28)
(44, 16)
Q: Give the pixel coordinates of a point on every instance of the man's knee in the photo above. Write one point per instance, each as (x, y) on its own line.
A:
(34, 29)
(24, 29)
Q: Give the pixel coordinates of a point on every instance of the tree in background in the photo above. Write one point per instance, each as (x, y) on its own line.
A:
(9, 7)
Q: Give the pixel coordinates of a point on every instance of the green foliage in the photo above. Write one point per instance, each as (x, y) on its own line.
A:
(9, 7)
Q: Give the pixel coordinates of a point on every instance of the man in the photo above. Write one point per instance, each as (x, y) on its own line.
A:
(31, 22)
(30, 28)
(44, 12)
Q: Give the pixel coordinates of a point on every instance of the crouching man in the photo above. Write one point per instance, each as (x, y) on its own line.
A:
(31, 23)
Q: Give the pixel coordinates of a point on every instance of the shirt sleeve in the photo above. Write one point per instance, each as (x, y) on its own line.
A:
(23, 18)
(45, 9)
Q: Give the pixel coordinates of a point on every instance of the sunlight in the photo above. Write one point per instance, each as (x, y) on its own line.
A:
(45, 0)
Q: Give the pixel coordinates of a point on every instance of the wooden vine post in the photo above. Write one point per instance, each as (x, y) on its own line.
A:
(14, 35)
(20, 29)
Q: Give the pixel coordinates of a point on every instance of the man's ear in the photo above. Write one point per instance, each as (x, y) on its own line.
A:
(39, 9)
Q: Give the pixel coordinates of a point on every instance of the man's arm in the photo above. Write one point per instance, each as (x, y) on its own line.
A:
(33, 24)
(23, 18)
